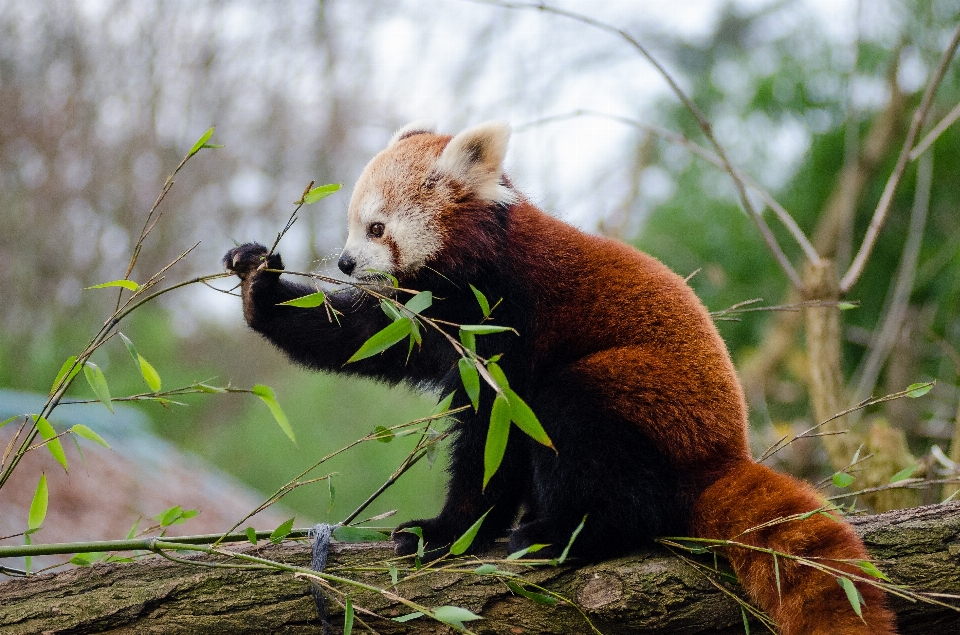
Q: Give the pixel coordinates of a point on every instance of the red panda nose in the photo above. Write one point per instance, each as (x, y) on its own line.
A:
(347, 264)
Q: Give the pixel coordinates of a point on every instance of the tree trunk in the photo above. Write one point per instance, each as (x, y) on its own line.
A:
(651, 591)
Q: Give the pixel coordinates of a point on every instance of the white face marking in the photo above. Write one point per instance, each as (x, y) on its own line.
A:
(390, 192)
(408, 227)
(369, 254)
(416, 239)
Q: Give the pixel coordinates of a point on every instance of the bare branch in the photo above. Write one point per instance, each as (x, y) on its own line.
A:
(886, 199)
(782, 214)
(938, 130)
(896, 309)
(702, 121)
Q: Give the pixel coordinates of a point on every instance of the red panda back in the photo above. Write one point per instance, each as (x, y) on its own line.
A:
(636, 336)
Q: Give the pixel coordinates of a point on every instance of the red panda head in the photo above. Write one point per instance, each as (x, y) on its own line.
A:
(415, 196)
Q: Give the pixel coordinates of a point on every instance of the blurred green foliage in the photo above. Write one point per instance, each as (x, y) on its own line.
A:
(753, 82)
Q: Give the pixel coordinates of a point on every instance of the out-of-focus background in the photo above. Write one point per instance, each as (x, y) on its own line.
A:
(100, 99)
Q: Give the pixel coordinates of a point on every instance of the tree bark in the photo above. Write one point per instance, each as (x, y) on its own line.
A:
(651, 591)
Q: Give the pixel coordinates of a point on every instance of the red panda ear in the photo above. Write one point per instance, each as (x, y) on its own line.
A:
(420, 126)
(475, 158)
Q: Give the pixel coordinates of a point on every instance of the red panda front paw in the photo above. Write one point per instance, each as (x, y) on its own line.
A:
(247, 259)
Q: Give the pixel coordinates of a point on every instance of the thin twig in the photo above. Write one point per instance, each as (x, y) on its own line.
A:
(290, 221)
(701, 119)
(673, 137)
(907, 483)
(886, 199)
(741, 307)
(892, 319)
(779, 445)
(934, 134)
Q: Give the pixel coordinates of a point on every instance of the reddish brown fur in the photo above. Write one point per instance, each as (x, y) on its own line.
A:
(809, 602)
(603, 323)
(637, 335)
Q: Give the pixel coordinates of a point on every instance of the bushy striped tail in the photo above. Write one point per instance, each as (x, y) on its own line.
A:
(806, 601)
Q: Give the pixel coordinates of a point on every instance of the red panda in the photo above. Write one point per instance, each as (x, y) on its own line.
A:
(616, 355)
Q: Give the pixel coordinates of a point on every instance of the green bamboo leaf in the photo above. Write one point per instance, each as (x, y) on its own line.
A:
(420, 302)
(38, 507)
(418, 532)
(394, 574)
(414, 334)
(70, 366)
(443, 405)
(306, 301)
(331, 492)
(268, 397)
(382, 340)
(133, 530)
(471, 380)
(919, 390)
(776, 573)
(9, 419)
(390, 310)
(130, 347)
(201, 142)
(281, 532)
(904, 473)
(498, 375)
(126, 284)
(463, 542)
(516, 555)
(497, 436)
(523, 416)
(846, 306)
(251, 535)
(384, 435)
(853, 596)
(83, 431)
(746, 623)
(485, 329)
(573, 536)
(469, 340)
(433, 449)
(321, 191)
(149, 373)
(346, 533)
(481, 300)
(871, 569)
(408, 617)
(168, 516)
(454, 616)
(86, 559)
(842, 479)
(539, 598)
(52, 442)
(348, 617)
(98, 383)
(484, 569)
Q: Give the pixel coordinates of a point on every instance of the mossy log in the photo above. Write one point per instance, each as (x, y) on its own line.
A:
(651, 591)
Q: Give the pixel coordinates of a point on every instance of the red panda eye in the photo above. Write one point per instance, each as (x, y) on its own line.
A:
(375, 230)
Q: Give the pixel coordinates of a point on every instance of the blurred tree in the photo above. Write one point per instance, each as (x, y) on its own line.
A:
(99, 100)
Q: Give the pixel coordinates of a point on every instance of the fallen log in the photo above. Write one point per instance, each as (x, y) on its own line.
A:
(650, 591)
